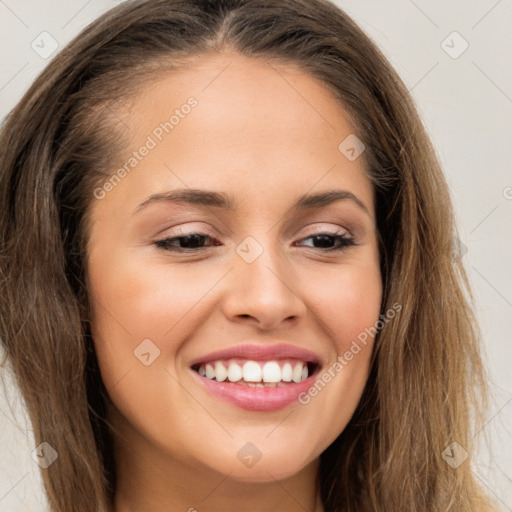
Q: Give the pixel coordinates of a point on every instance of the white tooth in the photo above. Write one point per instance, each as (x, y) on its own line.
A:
(297, 372)
(271, 372)
(304, 375)
(220, 371)
(286, 372)
(252, 371)
(210, 372)
(201, 371)
(259, 385)
(234, 372)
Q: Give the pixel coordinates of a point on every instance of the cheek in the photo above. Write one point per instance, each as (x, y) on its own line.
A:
(346, 301)
(133, 301)
(146, 300)
(345, 304)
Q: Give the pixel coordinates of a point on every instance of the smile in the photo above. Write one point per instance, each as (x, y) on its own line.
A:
(257, 377)
(257, 373)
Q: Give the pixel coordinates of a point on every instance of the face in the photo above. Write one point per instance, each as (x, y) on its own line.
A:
(216, 315)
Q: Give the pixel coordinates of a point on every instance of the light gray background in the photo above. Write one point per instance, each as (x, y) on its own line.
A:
(466, 104)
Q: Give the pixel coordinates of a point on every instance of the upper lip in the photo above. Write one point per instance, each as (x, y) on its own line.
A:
(260, 352)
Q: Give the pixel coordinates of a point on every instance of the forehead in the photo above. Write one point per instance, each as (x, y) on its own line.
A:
(255, 126)
(234, 91)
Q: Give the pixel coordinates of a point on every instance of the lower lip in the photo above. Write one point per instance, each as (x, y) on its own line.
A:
(256, 398)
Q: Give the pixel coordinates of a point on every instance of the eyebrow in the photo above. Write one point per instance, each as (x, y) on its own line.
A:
(226, 201)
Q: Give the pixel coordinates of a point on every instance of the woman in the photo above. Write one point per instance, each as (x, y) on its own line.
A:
(227, 270)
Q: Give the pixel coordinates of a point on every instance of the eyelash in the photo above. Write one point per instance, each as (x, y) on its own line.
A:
(165, 244)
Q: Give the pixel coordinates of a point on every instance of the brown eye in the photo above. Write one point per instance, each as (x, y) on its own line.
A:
(189, 243)
(324, 241)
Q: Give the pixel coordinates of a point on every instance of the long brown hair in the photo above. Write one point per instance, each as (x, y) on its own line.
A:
(427, 386)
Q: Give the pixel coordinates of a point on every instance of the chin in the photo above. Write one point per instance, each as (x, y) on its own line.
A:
(275, 465)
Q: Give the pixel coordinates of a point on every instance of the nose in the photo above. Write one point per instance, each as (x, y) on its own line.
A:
(263, 293)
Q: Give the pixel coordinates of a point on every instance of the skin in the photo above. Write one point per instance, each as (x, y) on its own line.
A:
(266, 134)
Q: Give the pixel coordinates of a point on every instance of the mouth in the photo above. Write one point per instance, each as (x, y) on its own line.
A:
(246, 372)
(256, 377)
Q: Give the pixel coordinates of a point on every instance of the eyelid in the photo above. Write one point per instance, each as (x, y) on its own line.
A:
(177, 231)
(346, 238)
(317, 230)
(321, 230)
(348, 230)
